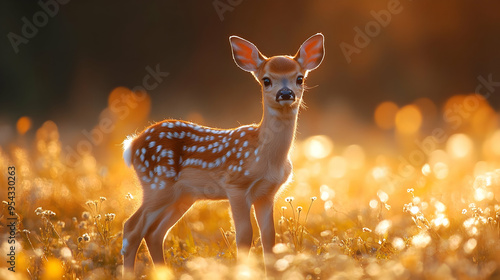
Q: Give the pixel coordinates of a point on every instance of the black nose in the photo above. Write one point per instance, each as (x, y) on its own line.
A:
(285, 94)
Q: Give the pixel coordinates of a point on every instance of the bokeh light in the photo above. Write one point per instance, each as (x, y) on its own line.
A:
(426, 169)
(53, 269)
(408, 119)
(441, 170)
(470, 245)
(23, 125)
(459, 145)
(385, 114)
(383, 227)
(318, 146)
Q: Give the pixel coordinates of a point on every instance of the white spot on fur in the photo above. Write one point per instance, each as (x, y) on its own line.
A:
(162, 185)
(124, 246)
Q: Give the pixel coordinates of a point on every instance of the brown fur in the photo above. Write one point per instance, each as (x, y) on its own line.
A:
(282, 65)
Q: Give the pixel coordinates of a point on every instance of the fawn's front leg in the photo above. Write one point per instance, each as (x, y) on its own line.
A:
(264, 211)
(241, 210)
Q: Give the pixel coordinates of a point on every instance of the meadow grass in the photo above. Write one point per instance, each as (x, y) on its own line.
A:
(342, 217)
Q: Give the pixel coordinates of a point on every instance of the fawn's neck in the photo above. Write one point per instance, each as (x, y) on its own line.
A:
(276, 133)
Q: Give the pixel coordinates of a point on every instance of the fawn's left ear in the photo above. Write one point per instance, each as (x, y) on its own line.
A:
(245, 54)
(311, 52)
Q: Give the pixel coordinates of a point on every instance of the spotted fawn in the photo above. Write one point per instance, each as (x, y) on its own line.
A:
(178, 162)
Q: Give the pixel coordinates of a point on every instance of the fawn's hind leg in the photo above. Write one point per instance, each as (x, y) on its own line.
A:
(135, 229)
(166, 220)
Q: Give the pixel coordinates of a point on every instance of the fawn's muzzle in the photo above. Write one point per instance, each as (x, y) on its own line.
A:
(285, 94)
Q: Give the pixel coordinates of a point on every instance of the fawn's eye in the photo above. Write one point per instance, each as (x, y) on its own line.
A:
(267, 81)
(300, 80)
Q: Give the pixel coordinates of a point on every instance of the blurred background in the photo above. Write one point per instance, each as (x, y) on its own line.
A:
(78, 56)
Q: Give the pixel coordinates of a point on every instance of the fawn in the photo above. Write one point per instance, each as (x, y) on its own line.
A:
(179, 162)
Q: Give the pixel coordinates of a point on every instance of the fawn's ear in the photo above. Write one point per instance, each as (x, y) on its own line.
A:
(245, 54)
(311, 52)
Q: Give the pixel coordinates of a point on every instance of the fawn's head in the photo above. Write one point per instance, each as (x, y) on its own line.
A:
(281, 77)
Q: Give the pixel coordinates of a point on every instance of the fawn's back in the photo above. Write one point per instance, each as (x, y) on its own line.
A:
(173, 150)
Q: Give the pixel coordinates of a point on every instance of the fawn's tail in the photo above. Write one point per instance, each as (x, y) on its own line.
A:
(127, 150)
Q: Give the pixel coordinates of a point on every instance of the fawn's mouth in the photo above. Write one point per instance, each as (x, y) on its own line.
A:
(287, 102)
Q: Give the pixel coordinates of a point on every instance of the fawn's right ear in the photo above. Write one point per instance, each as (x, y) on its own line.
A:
(245, 54)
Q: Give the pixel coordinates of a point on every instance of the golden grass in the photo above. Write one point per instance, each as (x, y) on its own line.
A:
(345, 217)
